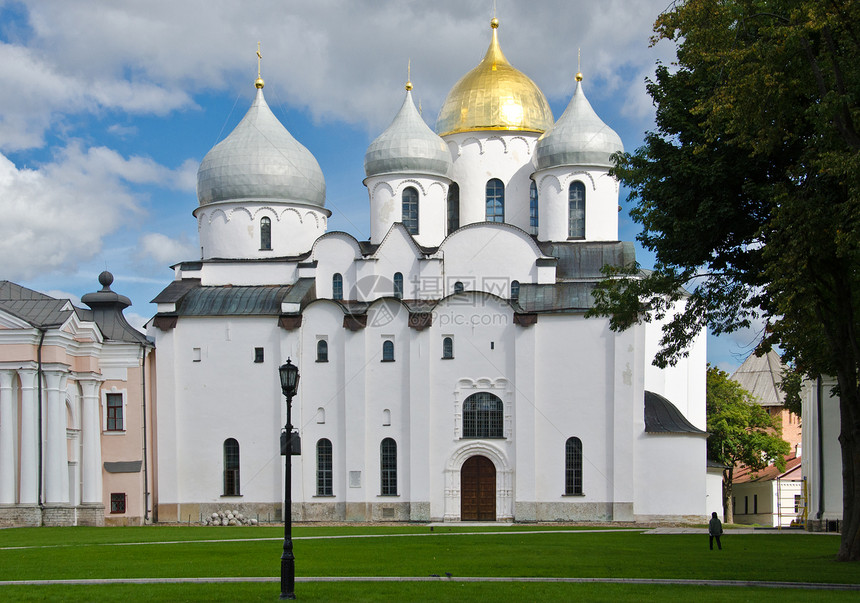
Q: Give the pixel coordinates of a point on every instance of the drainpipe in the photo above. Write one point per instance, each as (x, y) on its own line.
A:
(145, 465)
(819, 387)
(39, 381)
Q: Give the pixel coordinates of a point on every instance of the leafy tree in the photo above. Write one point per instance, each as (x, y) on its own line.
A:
(748, 193)
(740, 432)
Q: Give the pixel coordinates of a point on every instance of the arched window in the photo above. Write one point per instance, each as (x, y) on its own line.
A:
(458, 287)
(482, 416)
(387, 351)
(515, 289)
(322, 351)
(453, 207)
(231, 467)
(386, 417)
(388, 467)
(576, 219)
(573, 466)
(337, 286)
(410, 210)
(495, 200)
(398, 285)
(265, 234)
(321, 415)
(448, 348)
(324, 471)
(533, 207)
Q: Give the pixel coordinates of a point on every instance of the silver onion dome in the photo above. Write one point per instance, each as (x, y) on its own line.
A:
(408, 145)
(260, 160)
(579, 137)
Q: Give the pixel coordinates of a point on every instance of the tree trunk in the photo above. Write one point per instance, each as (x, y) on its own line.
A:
(849, 439)
(728, 508)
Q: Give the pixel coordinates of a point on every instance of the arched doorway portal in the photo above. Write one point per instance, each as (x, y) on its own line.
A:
(478, 489)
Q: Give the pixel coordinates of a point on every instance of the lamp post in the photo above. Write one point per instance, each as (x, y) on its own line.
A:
(289, 374)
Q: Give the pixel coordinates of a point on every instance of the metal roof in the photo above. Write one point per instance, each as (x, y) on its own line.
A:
(556, 297)
(661, 416)
(584, 260)
(761, 376)
(243, 301)
(176, 291)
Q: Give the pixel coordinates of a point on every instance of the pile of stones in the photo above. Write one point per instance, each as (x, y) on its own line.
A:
(228, 518)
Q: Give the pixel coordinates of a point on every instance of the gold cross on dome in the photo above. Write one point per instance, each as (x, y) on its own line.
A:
(259, 59)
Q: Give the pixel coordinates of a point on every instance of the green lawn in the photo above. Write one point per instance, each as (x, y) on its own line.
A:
(413, 550)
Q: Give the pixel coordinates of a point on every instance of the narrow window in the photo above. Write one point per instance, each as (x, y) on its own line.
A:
(388, 467)
(573, 466)
(117, 502)
(258, 354)
(746, 505)
(533, 207)
(515, 289)
(448, 347)
(114, 412)
(576, 199)
(386, 418)
(265, 234)
(321, 415)
(495, 200)
(755, 504)
(387, 351)
(324, 472)
(410, 210)
(398, 285)
(458, 287)
(231, 467)
(453, 207)
(337, 286)
(482, 416)
(195, 354)
(322, 351)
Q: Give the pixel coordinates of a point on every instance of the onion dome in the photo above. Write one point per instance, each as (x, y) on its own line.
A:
(494, 96)
(260, 160)
(408, 145)
(579, 137)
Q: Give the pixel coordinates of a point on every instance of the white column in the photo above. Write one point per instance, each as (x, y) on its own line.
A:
(91, 463)
(8, 424)
(29, 493)
(56, 450)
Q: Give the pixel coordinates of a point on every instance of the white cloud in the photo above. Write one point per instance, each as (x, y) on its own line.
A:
(341, 60)
(55, 217)
(165, 250)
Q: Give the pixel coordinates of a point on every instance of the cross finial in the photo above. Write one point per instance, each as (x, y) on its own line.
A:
(579, 64)
(409, 75)
(259, 83)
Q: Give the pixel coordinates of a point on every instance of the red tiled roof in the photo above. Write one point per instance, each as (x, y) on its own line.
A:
(743, 474)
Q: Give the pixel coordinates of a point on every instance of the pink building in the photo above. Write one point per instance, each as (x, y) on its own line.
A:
(75, 410)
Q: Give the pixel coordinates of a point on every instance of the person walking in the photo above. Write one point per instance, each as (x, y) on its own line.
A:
(715, 530)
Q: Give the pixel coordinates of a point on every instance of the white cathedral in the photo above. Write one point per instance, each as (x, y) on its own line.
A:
(447, 370)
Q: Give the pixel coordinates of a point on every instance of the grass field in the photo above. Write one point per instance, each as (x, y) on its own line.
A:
(414, 551)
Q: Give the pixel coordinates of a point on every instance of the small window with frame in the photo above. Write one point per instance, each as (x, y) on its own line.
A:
(259, 354)
(117, 502)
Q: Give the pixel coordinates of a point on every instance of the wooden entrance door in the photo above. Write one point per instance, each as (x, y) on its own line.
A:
(478, 490)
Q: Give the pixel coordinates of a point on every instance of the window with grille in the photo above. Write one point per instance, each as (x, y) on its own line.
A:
(265, 234)
(337, 286)
(322, 351)
(576, 217)
(388, 467)
(259, 355)
(231, 467)
(533, 207)
(573, 466)
(114, 412)
(398, 285)
(117, 502)
(324, 469)
(410, 210)
(453, 207)
(458, 287)
(495, 200)
(448, 347)
(515, 289)
(483, 415)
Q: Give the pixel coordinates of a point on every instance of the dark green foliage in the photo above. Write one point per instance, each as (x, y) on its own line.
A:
(748, 192)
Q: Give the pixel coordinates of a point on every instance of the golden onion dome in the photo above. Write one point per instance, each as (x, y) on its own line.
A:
(494, 96)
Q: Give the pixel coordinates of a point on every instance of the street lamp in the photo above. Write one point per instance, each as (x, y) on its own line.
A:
(289, 374)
